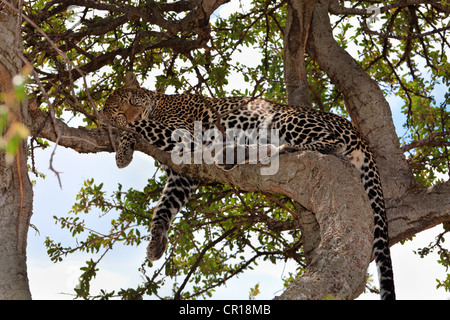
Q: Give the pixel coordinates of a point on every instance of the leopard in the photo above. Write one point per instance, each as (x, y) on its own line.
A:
(155, 116)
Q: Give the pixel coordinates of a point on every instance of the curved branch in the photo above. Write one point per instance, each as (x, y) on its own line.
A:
(430, 141)
(419, 209)
(408, 37)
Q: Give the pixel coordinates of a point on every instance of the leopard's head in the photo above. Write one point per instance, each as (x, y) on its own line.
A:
(123, 106)
(128, 103)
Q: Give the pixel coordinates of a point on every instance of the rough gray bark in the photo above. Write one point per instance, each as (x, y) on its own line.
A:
(295, 36)
(417, 210)
(16, 194)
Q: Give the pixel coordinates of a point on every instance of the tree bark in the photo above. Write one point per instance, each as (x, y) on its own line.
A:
(295, 36)
(16, 193)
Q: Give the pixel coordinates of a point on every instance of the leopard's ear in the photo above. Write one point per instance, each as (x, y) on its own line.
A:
(131, 80)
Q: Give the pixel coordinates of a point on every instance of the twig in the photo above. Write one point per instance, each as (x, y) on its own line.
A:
(51, 111)
(69, 63)
(200, 257)
(409, 37)
(427, 141)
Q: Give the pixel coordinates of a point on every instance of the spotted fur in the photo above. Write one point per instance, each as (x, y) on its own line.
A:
(155, 116)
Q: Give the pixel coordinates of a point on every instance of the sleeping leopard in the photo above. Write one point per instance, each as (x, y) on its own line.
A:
(156, 116)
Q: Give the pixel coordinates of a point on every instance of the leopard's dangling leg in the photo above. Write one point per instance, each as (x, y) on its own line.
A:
(175, 195)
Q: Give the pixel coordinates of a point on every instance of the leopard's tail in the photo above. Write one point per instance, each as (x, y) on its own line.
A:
(365, 163)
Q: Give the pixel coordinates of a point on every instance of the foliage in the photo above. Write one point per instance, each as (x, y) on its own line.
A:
(416, 69)
(205, 248)
(444, 255)
(224, 231)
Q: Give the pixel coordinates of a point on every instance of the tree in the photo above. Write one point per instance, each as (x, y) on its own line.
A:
(16, 194)
(79, 51)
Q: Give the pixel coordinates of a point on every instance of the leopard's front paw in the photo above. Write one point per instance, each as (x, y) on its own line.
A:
(157, 245)
(124, 152)
(123, 158)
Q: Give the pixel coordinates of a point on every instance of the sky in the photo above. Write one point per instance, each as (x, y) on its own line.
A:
(414, 276)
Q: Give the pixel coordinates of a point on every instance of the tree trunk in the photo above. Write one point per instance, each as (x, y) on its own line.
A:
(295, 36)
(16, 193)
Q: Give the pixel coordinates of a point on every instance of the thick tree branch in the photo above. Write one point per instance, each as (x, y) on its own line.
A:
(153, 13)
(79, 139)
(419, 209)
(296, 34)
